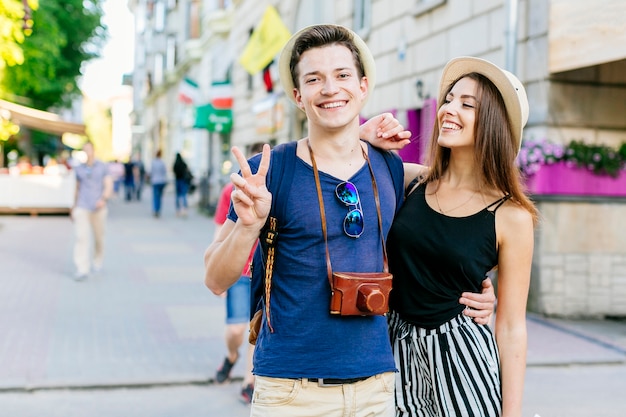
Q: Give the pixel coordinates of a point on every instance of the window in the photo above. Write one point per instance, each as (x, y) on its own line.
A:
(425, 6)
(362, 17)
(170, 63)
(158, 69)
(159, 17)
(194, 20)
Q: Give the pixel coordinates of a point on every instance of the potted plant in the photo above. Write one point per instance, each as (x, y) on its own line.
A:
(573, 169)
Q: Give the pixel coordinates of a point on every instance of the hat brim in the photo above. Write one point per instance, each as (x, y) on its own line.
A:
(510, 87)
(369, 66)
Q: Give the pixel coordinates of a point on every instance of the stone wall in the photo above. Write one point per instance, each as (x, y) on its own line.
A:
(579, 266)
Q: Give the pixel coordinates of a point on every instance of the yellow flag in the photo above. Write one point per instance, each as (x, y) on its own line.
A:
(265, 42)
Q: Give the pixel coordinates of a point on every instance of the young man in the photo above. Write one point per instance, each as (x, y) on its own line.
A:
(94, 186)
(307, 361)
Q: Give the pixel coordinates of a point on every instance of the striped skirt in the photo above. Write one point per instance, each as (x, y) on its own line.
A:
(453, 370)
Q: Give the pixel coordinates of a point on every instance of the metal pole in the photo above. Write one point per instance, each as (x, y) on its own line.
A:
(511, 36)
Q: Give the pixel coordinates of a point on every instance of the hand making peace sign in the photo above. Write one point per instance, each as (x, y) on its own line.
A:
(251, 199)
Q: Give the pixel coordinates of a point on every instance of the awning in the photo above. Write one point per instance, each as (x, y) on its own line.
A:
(40, 120)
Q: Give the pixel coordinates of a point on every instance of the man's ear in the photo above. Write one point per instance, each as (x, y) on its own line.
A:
(364, 87)
(298, 98)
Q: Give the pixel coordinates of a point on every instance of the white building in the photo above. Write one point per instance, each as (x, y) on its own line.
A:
(568, 53)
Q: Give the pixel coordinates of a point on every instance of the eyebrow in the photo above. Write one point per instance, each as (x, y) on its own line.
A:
(316, 72)
(463, 96)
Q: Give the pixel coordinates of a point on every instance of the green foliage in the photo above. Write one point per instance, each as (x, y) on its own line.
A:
(12, 32)
(600, 159)
(65, 35)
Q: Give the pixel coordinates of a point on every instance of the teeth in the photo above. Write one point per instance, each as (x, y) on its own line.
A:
(333, 105)
(448, 125)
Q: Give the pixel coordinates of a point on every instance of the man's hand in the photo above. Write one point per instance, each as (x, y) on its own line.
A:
(251, 199)
(385, 131)
(480, 306)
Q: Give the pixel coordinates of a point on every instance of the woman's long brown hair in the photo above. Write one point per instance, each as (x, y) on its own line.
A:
(494, 146)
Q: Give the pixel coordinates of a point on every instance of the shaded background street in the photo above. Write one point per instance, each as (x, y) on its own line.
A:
(144, 336)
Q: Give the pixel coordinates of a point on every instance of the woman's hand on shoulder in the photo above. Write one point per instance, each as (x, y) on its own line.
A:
(385, 131)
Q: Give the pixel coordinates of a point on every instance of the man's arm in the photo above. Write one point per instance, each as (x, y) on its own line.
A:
(107, 191)
(227, 256)
(481, 305)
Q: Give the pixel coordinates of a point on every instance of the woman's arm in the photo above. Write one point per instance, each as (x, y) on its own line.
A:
(514, 228)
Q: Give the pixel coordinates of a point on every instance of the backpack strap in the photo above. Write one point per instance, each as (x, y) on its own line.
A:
(282, 165)
(396, 169)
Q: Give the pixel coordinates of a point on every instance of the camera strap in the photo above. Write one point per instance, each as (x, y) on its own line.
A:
(329, 268)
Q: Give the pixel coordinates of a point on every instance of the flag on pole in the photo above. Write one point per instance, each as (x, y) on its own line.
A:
(222, 95)
(267, 78)
(265, 42)
(188, 91)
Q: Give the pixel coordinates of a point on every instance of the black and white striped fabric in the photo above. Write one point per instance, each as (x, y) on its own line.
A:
(450, 371)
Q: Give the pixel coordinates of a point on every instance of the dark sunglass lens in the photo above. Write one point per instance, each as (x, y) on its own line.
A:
(346, 191)
(353, 223)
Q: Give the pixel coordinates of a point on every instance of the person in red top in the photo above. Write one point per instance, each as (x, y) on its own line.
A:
(237, 304)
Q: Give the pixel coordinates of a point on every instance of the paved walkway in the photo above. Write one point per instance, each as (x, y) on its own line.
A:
(147, 320)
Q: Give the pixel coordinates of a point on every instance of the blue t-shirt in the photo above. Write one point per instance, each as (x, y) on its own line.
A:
(90, 184)
(307, 340)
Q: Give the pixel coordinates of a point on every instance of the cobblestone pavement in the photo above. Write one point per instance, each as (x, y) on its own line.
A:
(143, 337)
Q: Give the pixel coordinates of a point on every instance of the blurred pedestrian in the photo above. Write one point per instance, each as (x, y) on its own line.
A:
(116, 170)
(237, 304)
(129, 180)
(139, 172)
(94, 186)
(181, 173)
(158, 179)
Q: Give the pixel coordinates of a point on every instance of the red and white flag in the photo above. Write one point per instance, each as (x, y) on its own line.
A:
(188, 91)
(222, 95)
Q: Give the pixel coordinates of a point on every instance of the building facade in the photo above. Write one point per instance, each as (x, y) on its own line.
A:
(568, 53)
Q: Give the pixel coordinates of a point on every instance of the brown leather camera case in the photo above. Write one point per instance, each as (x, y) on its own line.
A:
(360, 293)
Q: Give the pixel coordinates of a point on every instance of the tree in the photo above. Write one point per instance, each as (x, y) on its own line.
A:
(15, 23)
(65, 35)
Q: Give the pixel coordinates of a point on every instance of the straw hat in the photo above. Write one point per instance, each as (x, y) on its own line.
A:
(369, 66)
(510, 87)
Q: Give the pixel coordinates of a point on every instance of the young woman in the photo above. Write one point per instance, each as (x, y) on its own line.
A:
(465, 215)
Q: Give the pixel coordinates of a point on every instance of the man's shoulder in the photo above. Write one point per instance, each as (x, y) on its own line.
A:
(389, 158)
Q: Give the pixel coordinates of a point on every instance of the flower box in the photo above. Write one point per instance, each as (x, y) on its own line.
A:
(563, 179)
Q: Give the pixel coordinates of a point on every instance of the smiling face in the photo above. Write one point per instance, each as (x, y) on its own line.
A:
(331, 92)
(457, 115)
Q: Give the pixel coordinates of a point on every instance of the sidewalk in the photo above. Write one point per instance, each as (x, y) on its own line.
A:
(147, 320)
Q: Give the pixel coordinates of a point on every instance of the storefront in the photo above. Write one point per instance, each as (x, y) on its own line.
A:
(35, 190)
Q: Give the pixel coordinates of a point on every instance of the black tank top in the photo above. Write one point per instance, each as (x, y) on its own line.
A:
(434, 258)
